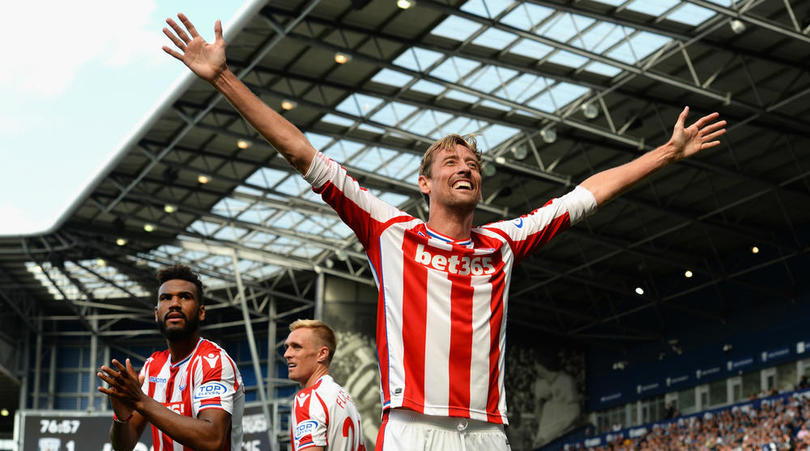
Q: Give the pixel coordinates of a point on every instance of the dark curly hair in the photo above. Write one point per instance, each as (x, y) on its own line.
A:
(181, 272)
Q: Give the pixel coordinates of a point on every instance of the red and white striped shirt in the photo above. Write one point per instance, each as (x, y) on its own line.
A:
(206, 379)
(324, 415)
(441, 312)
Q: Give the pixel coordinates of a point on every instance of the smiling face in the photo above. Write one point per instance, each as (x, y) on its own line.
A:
(178, 313)
(305, 354)
(454, 179)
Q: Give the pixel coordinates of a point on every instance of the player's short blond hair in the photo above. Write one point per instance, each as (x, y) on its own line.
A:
(448, 142)
(322, 331)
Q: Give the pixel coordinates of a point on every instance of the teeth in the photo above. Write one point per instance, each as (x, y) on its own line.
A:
(463, 184)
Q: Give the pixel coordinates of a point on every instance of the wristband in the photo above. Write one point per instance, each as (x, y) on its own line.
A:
(125, 421)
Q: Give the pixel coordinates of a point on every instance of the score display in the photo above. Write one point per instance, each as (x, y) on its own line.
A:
(70, 431)
(82, 431)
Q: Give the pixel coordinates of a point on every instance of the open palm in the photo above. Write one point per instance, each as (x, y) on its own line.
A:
(703, 134)
(207, 60)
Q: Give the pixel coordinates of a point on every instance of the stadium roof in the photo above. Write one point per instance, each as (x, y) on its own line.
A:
(555, 90)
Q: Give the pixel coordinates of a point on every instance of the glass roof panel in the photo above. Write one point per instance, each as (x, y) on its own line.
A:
(495, 39)
(691, 14)
(428, 87)
(391, 77)
(337, 120)
(601, 36)
(486, 8)
(342, 230)
(489, 78)
(344, 150)
(560, 28)
(461, 96)
(527, 16)
(99, 279)
(231, 233)
(358, 104)
(393, 112)
(566, 58)
(495, 105)
(531, 49)
(523, 88)
(267, 177)
(394, 199)
(652, 7)
(317, 140)
(496, 134)
(456, 28)
(454, 68)
(294, 185)
(564, 93)
(417, 59)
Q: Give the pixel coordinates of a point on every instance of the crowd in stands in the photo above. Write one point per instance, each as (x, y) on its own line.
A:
(779, 424)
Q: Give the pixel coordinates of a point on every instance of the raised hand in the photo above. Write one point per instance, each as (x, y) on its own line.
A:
(703, 134)
(207, 60)
(124, 387)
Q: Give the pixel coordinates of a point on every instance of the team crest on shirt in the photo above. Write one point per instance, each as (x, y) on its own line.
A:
(210, 390)
(518, 222)
(305, 428)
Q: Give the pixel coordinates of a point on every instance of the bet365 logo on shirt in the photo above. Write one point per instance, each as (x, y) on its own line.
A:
(454, 264)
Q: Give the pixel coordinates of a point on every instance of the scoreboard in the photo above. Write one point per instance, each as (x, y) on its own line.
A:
(55, 430)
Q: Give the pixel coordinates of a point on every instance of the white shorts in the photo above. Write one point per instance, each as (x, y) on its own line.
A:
(406, 430)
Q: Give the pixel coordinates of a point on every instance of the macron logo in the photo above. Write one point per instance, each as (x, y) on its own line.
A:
(462, 266)
(302, 398)
(212, 359)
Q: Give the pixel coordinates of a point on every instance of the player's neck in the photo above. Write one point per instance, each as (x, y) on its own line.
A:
(319, 372)
(455, 224)
(180, 349)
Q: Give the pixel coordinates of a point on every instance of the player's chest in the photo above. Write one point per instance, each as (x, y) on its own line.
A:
(170, 387)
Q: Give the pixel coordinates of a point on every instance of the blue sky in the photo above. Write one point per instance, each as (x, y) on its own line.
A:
(77, 82)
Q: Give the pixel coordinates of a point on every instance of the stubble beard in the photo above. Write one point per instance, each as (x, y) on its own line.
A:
(180, 333)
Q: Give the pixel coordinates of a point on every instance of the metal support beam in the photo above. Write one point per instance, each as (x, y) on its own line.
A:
(254, 353)
(255, 58)
(753, 20)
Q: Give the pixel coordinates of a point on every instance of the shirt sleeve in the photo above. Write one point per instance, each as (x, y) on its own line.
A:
(531, 231)
(311, 424)
(362, 211)
(216, 383)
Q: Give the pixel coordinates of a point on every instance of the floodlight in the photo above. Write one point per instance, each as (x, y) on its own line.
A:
(590, 110)
(737, 26)
(549, 135)
(342, 58)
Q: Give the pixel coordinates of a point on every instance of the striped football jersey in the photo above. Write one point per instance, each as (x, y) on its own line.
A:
(324, 415)
(206, 379)
(442, 303)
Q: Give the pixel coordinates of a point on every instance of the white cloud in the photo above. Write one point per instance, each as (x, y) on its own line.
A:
(55, 39)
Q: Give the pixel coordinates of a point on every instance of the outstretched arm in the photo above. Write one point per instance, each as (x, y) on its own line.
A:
(207, 60)
(685, 142)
